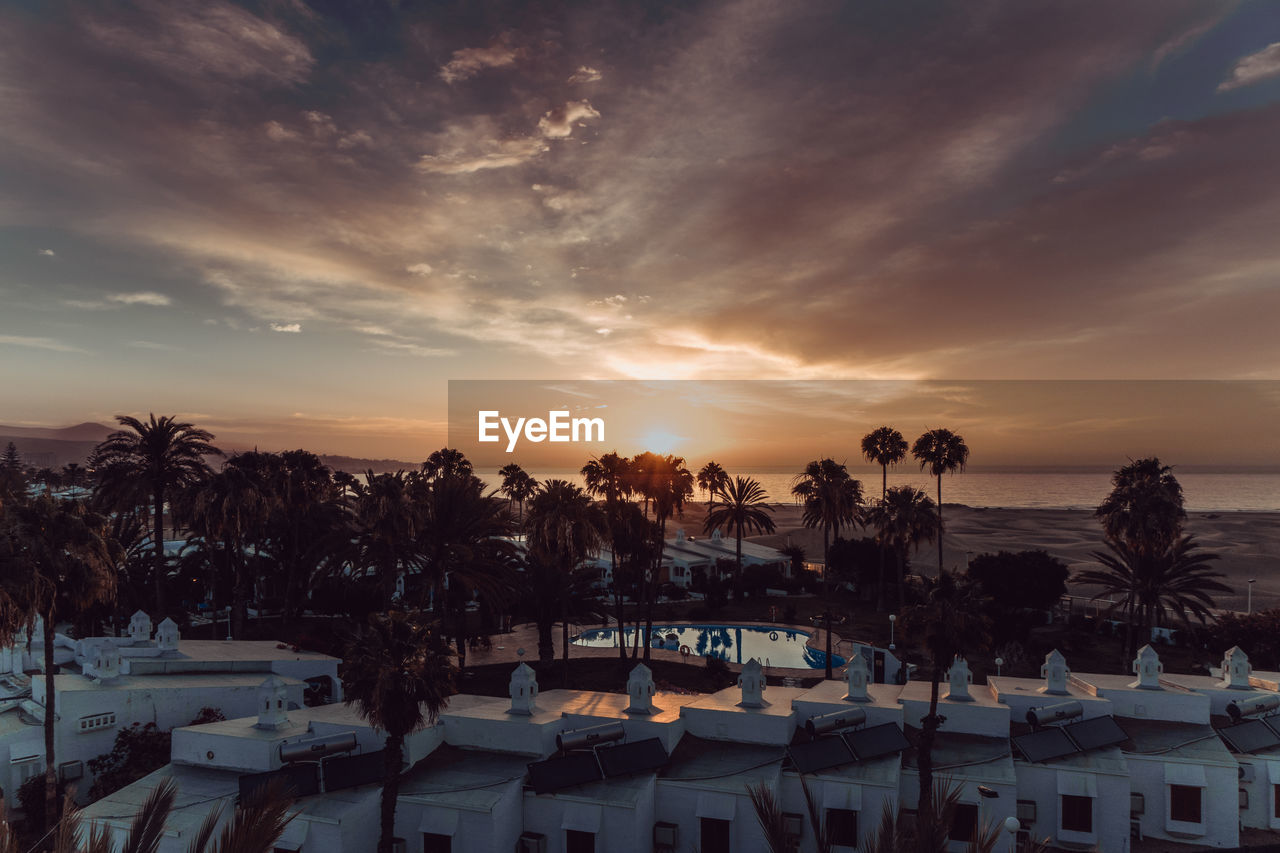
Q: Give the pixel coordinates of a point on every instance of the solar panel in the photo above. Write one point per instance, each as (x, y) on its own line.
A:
(875, 741)
(1044, 744)
(643, 756)
(299, 780)
(554, 774)
(819, 754)
(349, 771)
(1251, 736)
(1096, 733)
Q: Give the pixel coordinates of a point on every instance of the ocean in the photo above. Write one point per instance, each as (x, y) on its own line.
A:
(1203, 492)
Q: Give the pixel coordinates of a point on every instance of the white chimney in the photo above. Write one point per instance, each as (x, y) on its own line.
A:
(102, 661)
(679, 535)
(752, 683)
(856, 677)
(167, 635)
(640, 689)
(1055, 674)
(140, 628)
(1148, 668)
(273, 703)
(1236, 669)
(523, 690)
(959, 678)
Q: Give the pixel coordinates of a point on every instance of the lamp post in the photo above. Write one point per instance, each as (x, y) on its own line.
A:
(999, 663)
(1252, 581)
(892, 618)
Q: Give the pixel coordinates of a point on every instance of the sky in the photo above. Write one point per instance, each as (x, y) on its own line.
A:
(294, 222)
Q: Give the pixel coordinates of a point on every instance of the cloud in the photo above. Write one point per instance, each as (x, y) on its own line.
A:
(558, 123)
(48, 253)
(152, 345)
(585, 74)
(1253, 68)
(419, 269)
(143, 297)
(488, 154)
(38, 343)
(468, 62)
(401, 347)
(286, 327)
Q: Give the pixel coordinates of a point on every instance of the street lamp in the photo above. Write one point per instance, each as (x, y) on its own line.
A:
(892, 618)
(999, 663)
(1252, 581)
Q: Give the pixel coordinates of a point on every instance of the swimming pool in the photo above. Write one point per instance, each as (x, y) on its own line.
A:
(733, 643)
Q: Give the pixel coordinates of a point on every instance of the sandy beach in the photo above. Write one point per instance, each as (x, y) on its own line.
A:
(1247, 542)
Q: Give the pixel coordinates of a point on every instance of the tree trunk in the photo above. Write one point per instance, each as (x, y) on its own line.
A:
(617, 605)
(50, 698)
(546, 645)
(902, 577)
(924, 752)
(157, 533)
(737, 569)
(564, 635)
(237, 590)
(880, 576)
(650, 586)
(390, 791)
(939, 525)
(826, 591)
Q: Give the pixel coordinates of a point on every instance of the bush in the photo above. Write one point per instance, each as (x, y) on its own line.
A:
(137, 751)
(31, 797)
(1030, 580)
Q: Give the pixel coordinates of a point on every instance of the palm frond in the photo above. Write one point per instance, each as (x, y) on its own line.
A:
(148, 825)
(769, 815)
(200, 842)
(258, 823)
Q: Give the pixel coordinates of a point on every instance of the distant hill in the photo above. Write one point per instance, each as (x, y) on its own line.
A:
(87, 431)
(355, 465)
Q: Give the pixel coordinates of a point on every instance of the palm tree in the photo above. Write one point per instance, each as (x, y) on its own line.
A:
(951, 621)
(903, 519)
(1144, 509)
(883, 446)
(386, 529)
(447, 462)
(1175, 581)
(711, 479)
(564, 529)
(832, 500)
(667, 484)
(512, 475)
(773, 822)
(745, 510)
(151, 460)
(399, 675)
(56, 565)
(931, 832)
(943, 452)
(305, 520)
(609, 477)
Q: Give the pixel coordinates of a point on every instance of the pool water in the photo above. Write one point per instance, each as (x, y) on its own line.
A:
(733, 643)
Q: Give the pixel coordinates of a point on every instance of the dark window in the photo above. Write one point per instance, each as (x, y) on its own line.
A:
(842, 827)
(1275, 800)
(1077, 813)
(579, 842)
(964, 825)
(1184, 803)
(435, 843)
(715, 835)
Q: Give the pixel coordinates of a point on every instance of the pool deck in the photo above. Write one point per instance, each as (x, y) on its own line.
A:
(505, 646)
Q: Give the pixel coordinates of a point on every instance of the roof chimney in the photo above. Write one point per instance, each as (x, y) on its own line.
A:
(1055, 674)
(640, 689)
(960, 678)
(523, 690)
(752, 683)
(1148, 668)
(273, 703)
(1236, 669)
(139, 628)
(856, 677)
(167, 635)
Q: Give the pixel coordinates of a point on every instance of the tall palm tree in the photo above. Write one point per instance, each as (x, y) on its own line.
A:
(56, 565)
(609, 477)
(951, 621)
(832, 500)
(447, 462)
(903, 519)
(511, 474)
(943, 452)
(305, 520)
(386, 529)
(711, 479)
(883, 446)
(151, 460)
(564, 529)
(745, 510)
(399, 676)
(1176, 581)
(667, 484)
(1144, 510)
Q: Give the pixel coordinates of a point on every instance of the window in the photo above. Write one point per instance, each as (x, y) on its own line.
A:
(435, 843)
(842, 827)
(576, 841)
(1275, 801)
(715, 835)
(97, 721)
(27, 769)
(1184, 803)
(1077, 814)
(964, 825)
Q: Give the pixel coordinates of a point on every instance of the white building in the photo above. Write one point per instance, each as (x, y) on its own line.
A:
(105, 684)
(1083, 760)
